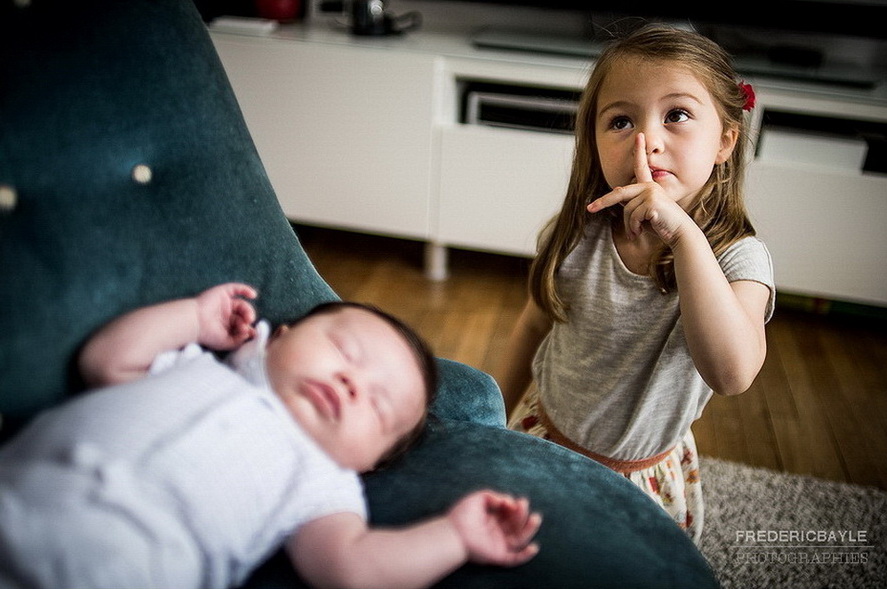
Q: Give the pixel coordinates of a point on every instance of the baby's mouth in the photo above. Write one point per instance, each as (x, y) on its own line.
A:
(324, 398)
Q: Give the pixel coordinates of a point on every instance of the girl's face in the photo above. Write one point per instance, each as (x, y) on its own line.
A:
(673, 109)
(351, 381)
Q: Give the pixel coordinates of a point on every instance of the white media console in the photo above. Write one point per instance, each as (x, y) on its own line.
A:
(391, 136)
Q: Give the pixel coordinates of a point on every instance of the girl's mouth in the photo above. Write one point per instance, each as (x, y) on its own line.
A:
(656, 173)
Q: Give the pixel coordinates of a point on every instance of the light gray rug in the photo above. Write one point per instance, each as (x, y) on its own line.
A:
(765, 529)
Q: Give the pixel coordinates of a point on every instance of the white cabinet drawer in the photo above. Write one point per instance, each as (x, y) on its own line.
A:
(498, 187)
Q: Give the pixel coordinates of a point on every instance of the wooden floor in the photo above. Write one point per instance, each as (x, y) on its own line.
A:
(818, 407)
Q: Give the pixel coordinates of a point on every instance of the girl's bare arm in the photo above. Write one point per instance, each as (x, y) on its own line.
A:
(514, 373)
(723, 322)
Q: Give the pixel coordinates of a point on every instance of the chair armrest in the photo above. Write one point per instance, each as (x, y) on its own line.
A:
(467, 394)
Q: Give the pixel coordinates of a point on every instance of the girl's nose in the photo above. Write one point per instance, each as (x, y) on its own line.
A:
(653, 139)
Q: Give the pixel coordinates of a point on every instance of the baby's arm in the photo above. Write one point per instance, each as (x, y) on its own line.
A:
(218, 318)
(484, 527)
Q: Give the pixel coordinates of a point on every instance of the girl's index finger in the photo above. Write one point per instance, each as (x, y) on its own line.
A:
(623, 194)
(641, 167)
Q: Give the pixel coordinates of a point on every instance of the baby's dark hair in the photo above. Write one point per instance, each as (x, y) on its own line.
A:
(422, 353)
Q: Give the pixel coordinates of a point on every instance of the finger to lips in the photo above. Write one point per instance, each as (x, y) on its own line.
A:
(634, 213)
(641, 166)
(623, 194)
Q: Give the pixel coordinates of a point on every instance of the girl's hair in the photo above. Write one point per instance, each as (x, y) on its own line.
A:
(718, 209)
(423, 355)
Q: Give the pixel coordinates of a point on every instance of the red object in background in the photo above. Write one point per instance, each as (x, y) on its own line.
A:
(280, 10)
(749, 93)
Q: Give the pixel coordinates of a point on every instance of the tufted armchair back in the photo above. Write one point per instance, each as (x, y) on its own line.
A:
(127, 177)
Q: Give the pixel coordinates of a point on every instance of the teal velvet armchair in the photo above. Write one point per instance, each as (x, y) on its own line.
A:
(128, 176)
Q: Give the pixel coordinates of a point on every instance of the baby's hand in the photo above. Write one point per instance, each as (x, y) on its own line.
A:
(496, 528)
(226, 317)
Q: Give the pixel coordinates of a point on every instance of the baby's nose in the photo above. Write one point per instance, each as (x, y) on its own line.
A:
(348, 385)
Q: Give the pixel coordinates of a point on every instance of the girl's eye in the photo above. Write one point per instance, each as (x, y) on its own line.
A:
(619, 123)
(677, 115)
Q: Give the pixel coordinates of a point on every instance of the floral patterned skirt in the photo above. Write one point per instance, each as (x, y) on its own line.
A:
(672, 482)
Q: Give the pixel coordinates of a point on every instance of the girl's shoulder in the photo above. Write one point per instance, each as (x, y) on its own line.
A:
(749, 249)
(749, 259)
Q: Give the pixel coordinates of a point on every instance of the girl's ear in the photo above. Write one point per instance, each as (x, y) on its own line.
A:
(280, 331)
(728, 143)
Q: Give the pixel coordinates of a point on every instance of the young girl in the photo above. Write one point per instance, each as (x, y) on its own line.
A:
(649, 290)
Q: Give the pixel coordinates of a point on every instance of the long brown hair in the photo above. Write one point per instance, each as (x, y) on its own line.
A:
(718, 209)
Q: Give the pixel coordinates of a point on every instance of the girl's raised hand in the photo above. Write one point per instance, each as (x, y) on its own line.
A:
(646, 203)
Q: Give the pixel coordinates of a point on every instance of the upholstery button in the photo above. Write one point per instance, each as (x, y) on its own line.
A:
(8, 198)
(142, 174)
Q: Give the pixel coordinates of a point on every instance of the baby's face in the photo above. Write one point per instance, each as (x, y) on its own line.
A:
(351, 381)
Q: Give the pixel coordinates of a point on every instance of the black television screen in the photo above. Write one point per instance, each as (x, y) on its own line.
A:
(858, 18)
(825, 41)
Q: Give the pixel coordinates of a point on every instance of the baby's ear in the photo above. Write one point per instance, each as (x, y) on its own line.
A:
(280, 331)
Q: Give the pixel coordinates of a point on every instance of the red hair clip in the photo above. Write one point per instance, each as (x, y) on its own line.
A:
(749, 94)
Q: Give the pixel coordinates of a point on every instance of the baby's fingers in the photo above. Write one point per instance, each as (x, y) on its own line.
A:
(522, 535)
(238, 290)
(522, 556)
(244, 310)
(243, 316)
(520, 544)
(520, 523)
